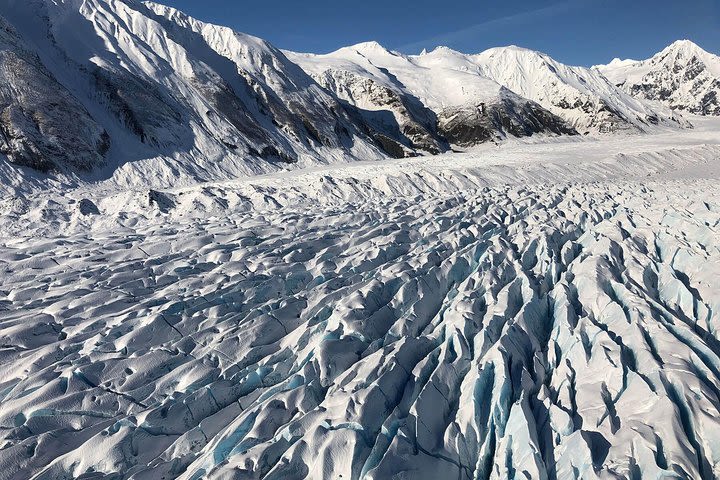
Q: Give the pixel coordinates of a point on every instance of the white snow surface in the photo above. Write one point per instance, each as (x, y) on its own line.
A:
(542, 309)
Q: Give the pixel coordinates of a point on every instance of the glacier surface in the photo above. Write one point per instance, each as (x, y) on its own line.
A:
(535, 310)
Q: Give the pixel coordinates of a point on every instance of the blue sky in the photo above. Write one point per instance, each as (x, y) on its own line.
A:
(582, 32)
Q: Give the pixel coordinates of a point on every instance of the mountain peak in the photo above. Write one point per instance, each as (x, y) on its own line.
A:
(684, 48)
(442, 49)
(512, 48)
(510, 51)
(690, 74)
(371, 46)
(619, 62)
(683, 44)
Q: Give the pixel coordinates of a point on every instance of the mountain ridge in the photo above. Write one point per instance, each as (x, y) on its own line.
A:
(167, 97)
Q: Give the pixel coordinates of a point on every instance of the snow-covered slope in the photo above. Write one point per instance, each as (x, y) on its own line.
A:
(423, 103)
(472, 95)
(151, 83)
(582, 96)
(683, 76)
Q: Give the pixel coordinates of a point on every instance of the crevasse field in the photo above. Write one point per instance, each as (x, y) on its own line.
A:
(545, 311)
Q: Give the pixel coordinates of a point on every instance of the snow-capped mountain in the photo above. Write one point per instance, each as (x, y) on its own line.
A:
(683, 76)
(426, 105)
(499, 92)
(145, 81)
(581, 96)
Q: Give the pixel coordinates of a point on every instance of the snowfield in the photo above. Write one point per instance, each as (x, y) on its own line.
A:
(543, 310)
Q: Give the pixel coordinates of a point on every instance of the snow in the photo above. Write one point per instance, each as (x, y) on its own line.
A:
(547, 306)
(186, 99)
(426, 106)
(581, 95)
(446, 81)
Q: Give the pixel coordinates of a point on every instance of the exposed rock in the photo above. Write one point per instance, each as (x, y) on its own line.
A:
(512, 116)
(42, 125)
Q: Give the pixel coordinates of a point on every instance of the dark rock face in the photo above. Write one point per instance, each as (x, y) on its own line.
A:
(87, 207)
(706, 91)
(515, 117)
(390, 146)
(42, 126)
(141, 106)
(163, 201)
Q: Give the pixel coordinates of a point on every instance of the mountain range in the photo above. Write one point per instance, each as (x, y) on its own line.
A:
(152, 91)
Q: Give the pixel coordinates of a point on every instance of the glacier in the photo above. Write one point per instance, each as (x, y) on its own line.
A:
(539, 310)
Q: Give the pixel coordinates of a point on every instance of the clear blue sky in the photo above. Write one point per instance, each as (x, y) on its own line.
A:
(582, 32)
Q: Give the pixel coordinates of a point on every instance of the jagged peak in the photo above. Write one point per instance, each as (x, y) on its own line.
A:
(682, 51)
(620, 62)
(683, 44)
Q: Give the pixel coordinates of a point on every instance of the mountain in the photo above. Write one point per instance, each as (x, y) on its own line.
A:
(33, 123)
(508, 91)
(157, 97)
(143, 81)
(683, 76)
(422, 106)
(581, 96)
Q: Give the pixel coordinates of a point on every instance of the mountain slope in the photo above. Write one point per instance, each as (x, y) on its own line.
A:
(34, 130)
(196, 99)
(683, 76)
(426, 104)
